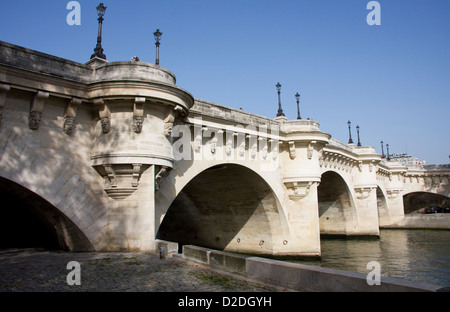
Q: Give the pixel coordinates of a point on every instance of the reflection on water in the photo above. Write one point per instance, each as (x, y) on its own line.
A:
(418, 255)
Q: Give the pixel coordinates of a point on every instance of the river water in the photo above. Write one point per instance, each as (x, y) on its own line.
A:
(422, 256)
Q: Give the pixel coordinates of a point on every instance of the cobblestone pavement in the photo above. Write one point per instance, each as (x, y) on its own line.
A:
(30, 270)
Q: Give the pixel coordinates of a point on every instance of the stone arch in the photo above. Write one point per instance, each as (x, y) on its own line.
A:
(184, 171)
(227, 207)
(44, 163)
(417, 201)
(28, 220)
(336, 204)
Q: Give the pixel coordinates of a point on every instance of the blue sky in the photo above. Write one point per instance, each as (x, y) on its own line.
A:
(392, 80)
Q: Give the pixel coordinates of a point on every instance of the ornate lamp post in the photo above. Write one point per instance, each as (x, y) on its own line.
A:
(357, 131)
(382, 150)
(350, 141)
(387, 152)
(280, 110)
(297, 96)
(98, 51)
(157, 35)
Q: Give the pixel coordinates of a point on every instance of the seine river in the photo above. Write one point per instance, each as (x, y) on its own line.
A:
(418, 255)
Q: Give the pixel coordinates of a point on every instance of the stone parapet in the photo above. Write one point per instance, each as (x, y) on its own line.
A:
(229, 115)
(38, 62)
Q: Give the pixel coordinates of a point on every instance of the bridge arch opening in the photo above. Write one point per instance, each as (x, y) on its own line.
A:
(418, 201)
(336, 208)
(226, 207)
(29, 221)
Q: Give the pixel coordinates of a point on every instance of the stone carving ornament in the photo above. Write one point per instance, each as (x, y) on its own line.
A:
(69, 125)
(69, 116)
(197, 143)
(106, 124)
(213, 145)
(265, 152)
(242, 149)
(169, 121)
(37, 107)
(229, 147)
(105, 115)
(138, 122)
(292, 150)
(138, 114)
(34, 120)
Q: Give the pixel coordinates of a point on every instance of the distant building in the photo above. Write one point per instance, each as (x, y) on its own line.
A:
(407, 160)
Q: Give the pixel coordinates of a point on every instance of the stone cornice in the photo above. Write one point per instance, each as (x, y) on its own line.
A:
(26, 80)
(156, 92)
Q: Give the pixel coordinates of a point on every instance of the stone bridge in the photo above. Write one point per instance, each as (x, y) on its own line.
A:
(113, 156)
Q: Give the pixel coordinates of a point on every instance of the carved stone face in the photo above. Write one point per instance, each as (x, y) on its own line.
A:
(106, 124)
(137, 124)
(275, 153)
(168, 127)
(228, 148)
(292, 153)
(213, 145)
(69, 125)
(253, 152)
(242, 149)
(197, 143)
(264, 152)
(35, 120)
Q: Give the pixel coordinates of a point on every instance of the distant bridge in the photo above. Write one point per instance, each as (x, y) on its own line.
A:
(114, 156)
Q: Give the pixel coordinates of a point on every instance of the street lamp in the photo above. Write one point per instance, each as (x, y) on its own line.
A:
(280, 111)
(350, 141)
(382, 149)
(98, 51)
(157, 34)
(357, 131)
(297, 96)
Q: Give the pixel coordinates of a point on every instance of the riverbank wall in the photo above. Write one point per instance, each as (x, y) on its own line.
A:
(432, 221)
(297, 277)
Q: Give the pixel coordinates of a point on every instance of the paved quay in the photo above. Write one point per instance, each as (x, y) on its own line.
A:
(34, 270)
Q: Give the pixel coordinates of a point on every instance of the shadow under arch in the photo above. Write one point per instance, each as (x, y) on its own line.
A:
(416, 201)
(30, 221)
(336, 207)
(226, 207)
(382, 206)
